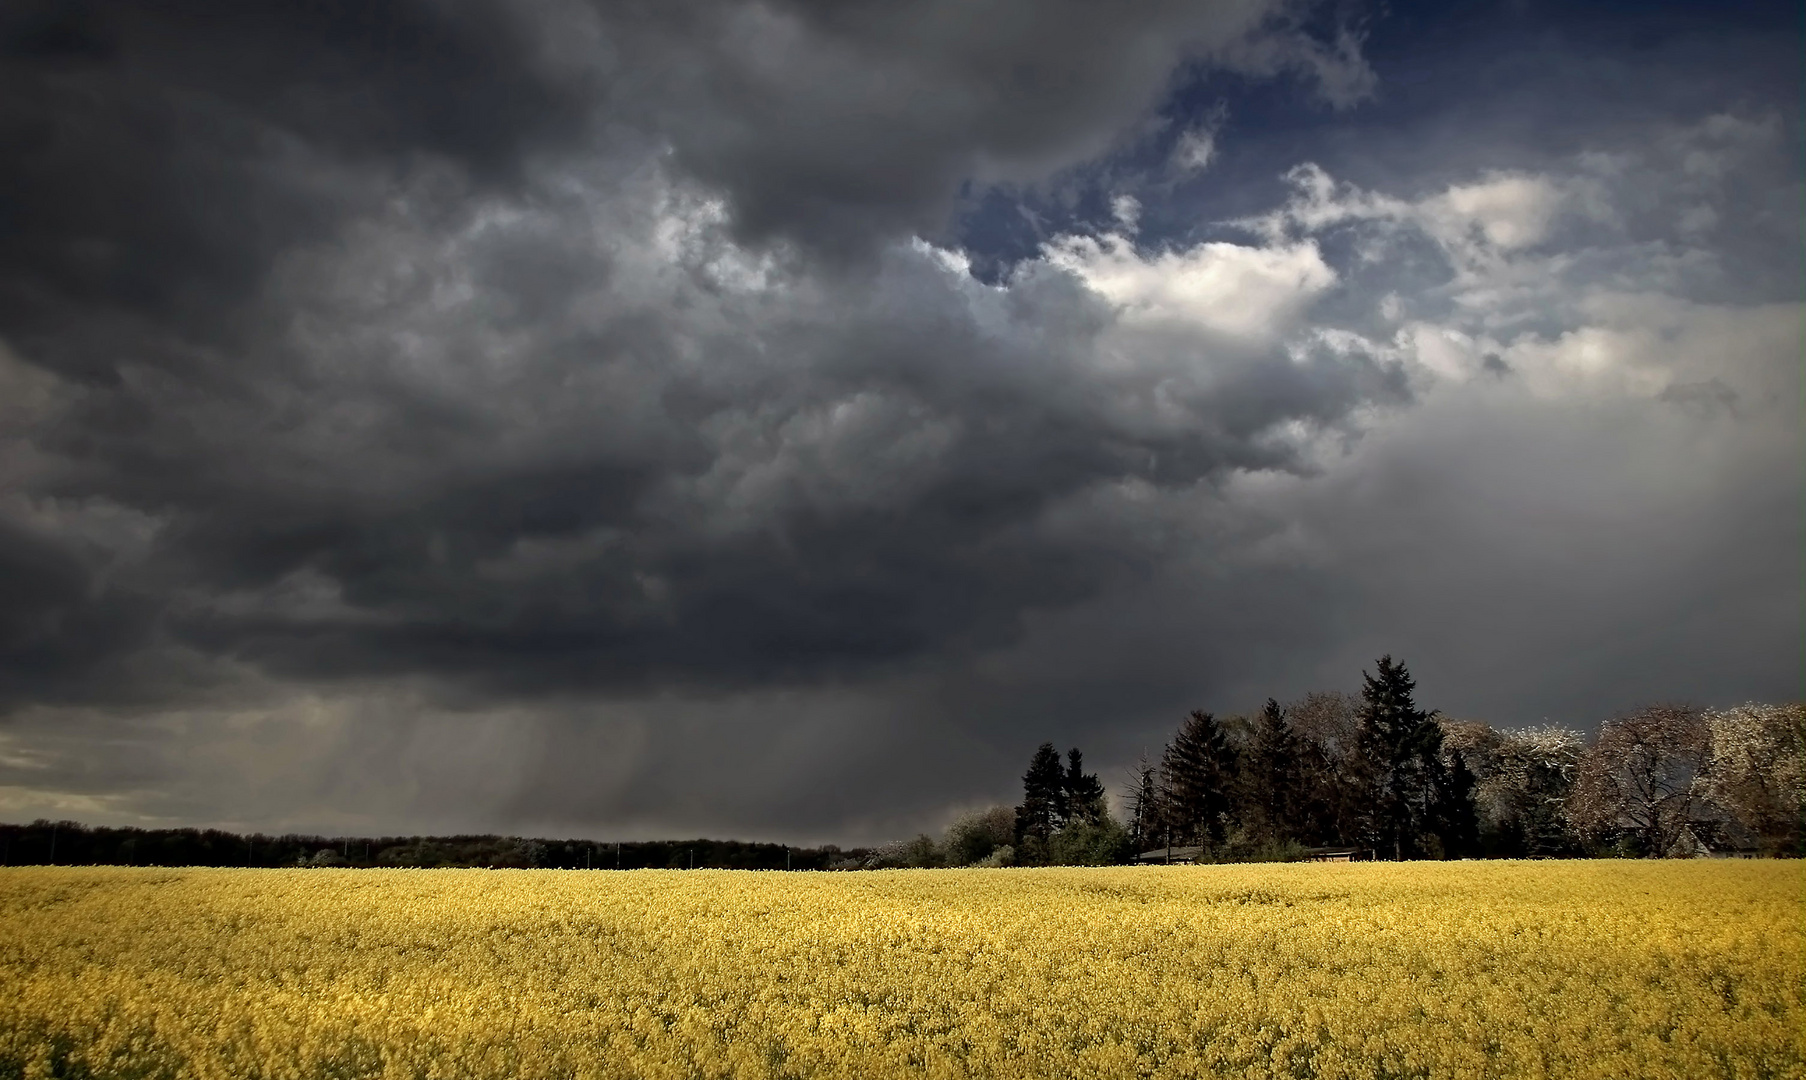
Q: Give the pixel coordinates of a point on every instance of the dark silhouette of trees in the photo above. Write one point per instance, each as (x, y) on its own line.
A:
(1272, 773)
(1063, 817)
(1379, 773)
(1082, 793)
(1400, 766)
(1197, 774)
(1454, 818)
(1043, 798)
(69, 843)
(1329, 724)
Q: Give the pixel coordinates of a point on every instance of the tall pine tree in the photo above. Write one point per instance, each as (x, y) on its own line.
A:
(1457, 821)
(1401, 764)
(1197, 772)
(1043, 792)
(1083, 792)
(1272, 776)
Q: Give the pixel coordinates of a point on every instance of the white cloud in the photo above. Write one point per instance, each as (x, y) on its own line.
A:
(1254, 294)
(1553, 275)
(1506, 211)
(1126, 209)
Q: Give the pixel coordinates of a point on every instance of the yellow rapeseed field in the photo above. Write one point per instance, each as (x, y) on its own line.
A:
(1586, 969)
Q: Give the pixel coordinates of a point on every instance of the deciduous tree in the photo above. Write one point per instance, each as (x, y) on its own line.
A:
(1334, 802)
(1144, 803)
(1756, 771)
(1635, 786)
(976, 836)
(1525, 792)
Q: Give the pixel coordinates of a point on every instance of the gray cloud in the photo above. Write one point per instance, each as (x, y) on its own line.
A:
(552, 416)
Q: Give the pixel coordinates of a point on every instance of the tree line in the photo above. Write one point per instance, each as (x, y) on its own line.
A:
(1372, 774)
(1376, 776)
(69, 843)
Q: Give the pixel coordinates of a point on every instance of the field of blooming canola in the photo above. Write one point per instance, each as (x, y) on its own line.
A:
(1599, 969)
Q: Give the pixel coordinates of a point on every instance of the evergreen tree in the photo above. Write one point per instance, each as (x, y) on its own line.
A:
(1197, 772)
(1083, 793)
(1272, 775)
(1457, 818)
(1043, 791)
(1401, 764)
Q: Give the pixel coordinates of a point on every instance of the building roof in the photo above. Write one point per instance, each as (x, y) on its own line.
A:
(1177, 853)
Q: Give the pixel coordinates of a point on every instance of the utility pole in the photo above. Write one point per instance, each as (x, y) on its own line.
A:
(786, 856)
(53, 843)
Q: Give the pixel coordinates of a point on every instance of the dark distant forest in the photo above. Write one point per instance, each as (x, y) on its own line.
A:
(1371, 776)
(67, 843)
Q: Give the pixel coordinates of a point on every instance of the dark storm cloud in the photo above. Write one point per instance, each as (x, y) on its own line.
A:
(544, 416)
(837, 123)
(158, 157)
(233, 226)
(886, 497)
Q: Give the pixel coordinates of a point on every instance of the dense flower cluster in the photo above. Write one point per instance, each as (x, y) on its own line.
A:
(1592, 969)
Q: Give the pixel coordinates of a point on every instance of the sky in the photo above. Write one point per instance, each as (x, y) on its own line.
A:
(774, 420)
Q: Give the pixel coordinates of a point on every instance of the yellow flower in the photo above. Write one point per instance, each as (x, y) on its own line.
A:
(1452, 969)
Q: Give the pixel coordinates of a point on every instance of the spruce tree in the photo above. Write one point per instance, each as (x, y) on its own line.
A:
(1197, 772)
(1083, 793)
(1401, 759)
(1457, 819)
(1043, 789)
(1272, 775)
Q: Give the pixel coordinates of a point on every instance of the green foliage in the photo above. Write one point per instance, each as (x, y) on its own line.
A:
(1096, 841)
(974, 837)
(1266, 850)
(1003, 856)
